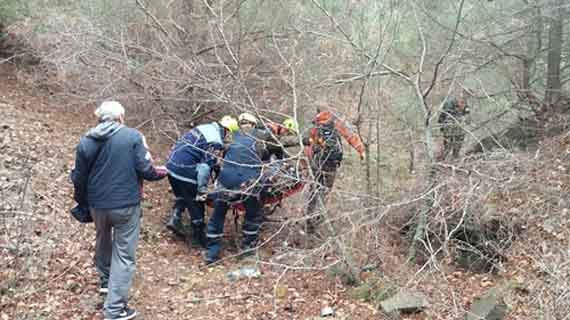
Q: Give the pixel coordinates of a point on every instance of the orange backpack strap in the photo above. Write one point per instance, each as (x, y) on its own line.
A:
(313, 136)
(308, 152)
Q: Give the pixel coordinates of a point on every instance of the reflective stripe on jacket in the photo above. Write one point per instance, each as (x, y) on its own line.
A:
(191, 158)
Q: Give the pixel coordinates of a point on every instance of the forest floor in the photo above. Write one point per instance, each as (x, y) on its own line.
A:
(51, 254)
(46, 257)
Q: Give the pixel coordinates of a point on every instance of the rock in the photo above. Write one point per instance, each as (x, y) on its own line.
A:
(281, 292)
(404, 301)
(244, 272)
(327, 312)
(552, 225)
(173, 282)
(488, 307)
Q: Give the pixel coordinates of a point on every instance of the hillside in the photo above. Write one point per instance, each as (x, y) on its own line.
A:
(46, 257)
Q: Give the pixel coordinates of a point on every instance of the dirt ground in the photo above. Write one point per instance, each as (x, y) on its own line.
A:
(51, 255)
(46, 257)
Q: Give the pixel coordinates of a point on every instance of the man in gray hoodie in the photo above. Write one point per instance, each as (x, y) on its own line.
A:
(111, 162)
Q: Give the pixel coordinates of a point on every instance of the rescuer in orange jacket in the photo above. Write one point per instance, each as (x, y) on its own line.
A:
(323, 147)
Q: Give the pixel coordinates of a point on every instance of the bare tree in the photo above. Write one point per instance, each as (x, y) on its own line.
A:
(555, 41)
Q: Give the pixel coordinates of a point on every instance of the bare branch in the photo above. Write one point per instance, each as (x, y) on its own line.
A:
(156, 21)
(446, 52)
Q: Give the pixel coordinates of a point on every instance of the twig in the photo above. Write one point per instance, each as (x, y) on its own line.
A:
(156, 21)
(11, 58)
(225, 296)
(446, 53)
(401, 74)
(50, 281)
(245, 40)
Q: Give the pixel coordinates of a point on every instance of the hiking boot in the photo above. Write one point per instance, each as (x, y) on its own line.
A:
(213, 250)
(210, 260)
(247, 250)
(175, 225)
(248, 245)
(199, 236)
(126, 314)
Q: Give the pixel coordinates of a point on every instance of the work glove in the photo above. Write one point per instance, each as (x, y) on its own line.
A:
(161, 170)
(202, 194)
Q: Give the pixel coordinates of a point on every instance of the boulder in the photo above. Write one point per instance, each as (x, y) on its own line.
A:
(327, 312)
(404, 301)
(244, 272)
(488, 307)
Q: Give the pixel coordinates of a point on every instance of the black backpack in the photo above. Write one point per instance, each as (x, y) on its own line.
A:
(328, 147)
(81, 211)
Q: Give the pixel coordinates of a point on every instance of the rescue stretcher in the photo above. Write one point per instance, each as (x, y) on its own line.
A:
(279, 180)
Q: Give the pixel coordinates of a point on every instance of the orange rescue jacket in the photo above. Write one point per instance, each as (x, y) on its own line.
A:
(324, 118)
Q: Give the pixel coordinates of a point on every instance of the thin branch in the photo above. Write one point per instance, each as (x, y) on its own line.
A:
(353, 44)
(446, 53)
(156, 21)
(11, 58)
(242, 41)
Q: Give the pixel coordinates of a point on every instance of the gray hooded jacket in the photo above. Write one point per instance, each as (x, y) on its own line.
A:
(111, 161)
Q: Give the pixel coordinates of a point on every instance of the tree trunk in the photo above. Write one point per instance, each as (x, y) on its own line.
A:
(553, 84)
(528, 63)
(378, 150)
(368, 202)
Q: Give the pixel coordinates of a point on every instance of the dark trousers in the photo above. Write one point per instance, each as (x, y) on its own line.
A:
(319, 189)
(453, 136)
(250, 229)
(185, 193)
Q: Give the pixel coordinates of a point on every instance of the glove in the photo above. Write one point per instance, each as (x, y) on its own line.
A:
(161, 170)
(202, 194)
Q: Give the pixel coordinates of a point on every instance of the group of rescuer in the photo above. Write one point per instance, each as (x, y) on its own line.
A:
(237, 150)
(112, 160)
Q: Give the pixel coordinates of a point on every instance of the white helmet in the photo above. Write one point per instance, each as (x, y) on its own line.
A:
(247, 117)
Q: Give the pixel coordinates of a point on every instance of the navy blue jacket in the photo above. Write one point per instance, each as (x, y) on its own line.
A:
(242, 161)
(192, 158)
(115, 178)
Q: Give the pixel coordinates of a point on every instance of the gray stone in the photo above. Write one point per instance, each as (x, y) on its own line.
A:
(488, 307)
(552, 225)
(244, 272)
(327, 312)
(404, 301)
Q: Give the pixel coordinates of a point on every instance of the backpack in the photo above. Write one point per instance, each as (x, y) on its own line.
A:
(450, 112)
(81, 211)
(328, 145)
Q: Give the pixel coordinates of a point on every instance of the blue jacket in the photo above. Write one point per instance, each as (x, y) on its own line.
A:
(242, 161)
(115, 178)
(191, 159)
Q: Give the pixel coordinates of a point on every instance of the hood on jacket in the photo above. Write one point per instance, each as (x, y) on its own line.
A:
(104, 130)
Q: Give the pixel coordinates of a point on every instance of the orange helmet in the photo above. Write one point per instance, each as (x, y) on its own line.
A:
(323, 117)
